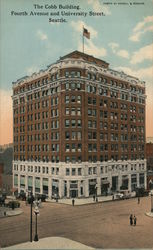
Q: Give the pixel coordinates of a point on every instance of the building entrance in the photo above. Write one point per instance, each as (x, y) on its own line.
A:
(114, 183)
(104, 186)
(92, 187)
(73, 193)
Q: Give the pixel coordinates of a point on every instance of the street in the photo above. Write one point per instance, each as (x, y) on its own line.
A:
(99, 225)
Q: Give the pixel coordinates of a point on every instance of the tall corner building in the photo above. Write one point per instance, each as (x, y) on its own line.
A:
(79, 129)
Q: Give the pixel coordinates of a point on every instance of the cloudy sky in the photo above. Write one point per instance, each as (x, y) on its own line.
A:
(122, 36)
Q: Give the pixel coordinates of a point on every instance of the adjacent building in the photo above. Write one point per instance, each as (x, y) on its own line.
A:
(79, 129)
(149, 157)
(1, 172)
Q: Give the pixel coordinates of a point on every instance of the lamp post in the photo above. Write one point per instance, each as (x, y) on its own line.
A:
(31, 203)
(151, 203)
(36, 211)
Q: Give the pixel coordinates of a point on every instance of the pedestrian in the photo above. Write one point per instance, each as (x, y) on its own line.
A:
(131, 219)
(94, 197)
(135, 220)
(113, 197)
(73, 201)
(138, 200)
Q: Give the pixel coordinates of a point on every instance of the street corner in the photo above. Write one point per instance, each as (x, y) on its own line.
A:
(51, 243)
(9, 213)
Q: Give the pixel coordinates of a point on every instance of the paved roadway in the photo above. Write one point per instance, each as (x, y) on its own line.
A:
(100, 225)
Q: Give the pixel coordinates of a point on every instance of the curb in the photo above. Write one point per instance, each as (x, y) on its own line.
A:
(149, 214)
(83, 204)
(11, 214)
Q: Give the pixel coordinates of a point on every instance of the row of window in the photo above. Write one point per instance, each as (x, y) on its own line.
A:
(74, 112)
(55, 170)
(73, 74)
(78, 147)
(91, 158)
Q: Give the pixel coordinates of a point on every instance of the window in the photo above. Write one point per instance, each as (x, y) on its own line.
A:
(73, 147)
(79, 123)
(78, 73)
(67, 111)
(67, 171)
(66, 99)
(67, 86)
(67, 123)
(72, 98)
(89, 147)
(89, 100)
(73, 171)
(73, 111)
(78, 111)
(89, 76)
(94, 112)
(79, 99)
(66, 74)
(73, 86)
(94, 135)
(67, 135)
(79, 147)
(89, 124)
(94, 124)
(79, 171)
(73, 123)
(94, 101)
(79, 135)
(67, 159)
(73, 135)
(89, 112)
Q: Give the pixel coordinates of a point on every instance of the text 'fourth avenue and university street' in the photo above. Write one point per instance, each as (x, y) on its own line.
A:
(57, 13)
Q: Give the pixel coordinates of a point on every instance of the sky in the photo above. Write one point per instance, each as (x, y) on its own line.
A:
(121, 33)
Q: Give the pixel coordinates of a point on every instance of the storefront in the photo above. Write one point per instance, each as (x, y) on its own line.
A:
(45, 186)
(104, 186)
(55, 188)
(30, 183)
(37, 185)
(73, 189)
(92, 187)
(133, 182)
(125, 182)
(114, 183)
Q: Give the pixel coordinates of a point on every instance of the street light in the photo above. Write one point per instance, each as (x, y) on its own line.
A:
(36, 211)
(31, 203)
(151, 203)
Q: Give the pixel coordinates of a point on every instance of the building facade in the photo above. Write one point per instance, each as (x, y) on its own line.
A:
(149, 158)
(7, 184)
(79, 129)
(1, 173)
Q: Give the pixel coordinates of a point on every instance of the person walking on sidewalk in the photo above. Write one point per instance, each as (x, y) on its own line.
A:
(131, 220)
(135, 220)
(73, 201)
(94, 197)
(138, 200)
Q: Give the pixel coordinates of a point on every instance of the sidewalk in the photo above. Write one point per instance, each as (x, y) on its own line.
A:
(82, 201)
(6, 212)
(51, 243)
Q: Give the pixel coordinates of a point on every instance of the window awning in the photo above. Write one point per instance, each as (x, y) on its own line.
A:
(125, 177)
(104, 182)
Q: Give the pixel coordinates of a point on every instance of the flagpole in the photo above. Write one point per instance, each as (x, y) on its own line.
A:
(83, 39)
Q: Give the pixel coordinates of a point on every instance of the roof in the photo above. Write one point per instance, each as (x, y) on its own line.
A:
(77, 54)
